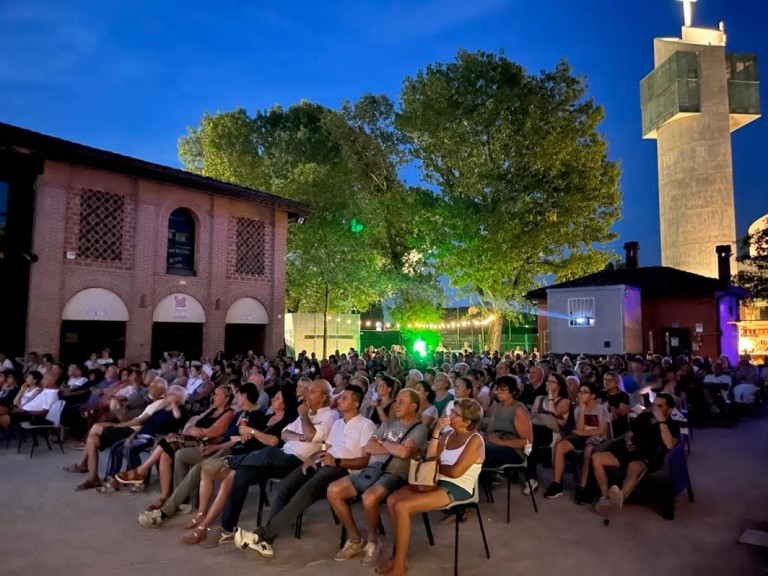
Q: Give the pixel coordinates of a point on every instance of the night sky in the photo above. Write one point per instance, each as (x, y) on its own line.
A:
(131, 76)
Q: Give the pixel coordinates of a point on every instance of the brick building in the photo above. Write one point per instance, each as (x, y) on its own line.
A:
(641, 309)
(99, 249)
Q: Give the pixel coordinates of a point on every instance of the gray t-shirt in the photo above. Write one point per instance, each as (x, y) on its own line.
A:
(393, 430)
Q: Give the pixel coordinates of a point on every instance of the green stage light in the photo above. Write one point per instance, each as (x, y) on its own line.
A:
(420, 347)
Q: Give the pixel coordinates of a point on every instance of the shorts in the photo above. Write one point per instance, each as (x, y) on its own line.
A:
(111, 435)
(455, 492)
(580, 442)
(619, 449)
(390, 482)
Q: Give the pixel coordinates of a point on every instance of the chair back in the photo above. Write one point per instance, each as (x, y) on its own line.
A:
(474, 499)
(54, 413)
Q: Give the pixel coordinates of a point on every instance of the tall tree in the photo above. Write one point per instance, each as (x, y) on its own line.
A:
(354, 248)
(521, 186)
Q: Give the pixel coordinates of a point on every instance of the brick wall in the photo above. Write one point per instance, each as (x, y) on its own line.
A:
(140, 277)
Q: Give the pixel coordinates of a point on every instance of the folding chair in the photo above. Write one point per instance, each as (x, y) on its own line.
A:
(458, 508)
(54, 417)
(508, 470)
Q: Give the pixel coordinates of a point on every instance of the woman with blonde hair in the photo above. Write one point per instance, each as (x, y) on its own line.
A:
(460, 451)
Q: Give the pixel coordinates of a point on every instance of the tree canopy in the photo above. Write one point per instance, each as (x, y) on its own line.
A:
(754, 274)
(516, 185)
(519, 176)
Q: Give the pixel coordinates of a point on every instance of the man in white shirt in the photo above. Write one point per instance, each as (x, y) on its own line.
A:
(716, 384)
(195, 381)
(308, 484)
(37, 408)
(5, 363)
(303, 437)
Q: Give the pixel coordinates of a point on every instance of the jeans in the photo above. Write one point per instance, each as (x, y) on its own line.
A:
(129, 450)
(256, 468)
(297, 492)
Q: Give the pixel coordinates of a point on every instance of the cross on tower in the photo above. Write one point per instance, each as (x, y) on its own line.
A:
(687, 11)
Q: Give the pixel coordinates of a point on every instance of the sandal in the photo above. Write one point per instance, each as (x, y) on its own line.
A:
(195, 537)
(192, 524)
(88, 484)
(76, 469)
(131, 477)
(386, 567)
(111, 486)
(157, 505)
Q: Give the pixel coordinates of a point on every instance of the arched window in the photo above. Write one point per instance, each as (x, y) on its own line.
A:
(181, 243)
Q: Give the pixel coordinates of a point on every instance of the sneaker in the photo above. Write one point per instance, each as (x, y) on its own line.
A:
(582, 496)
(185, 508)
(616, 496)
(530, 486)
(151, 518)
(555, 490)
(217, 537)
(244, 539)
(350, 550)
(605, 507)
(372, 553)
(264, 548)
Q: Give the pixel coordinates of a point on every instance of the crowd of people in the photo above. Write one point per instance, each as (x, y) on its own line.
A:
(348, 427)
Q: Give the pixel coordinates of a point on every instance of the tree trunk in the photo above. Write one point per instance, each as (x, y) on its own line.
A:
(325, 322)
(494, 334)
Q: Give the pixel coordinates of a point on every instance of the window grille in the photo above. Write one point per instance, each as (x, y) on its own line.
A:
(101, 226)
(581, 312)
(250, 259)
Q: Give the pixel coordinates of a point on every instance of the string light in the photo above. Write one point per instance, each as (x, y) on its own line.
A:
(438, 325)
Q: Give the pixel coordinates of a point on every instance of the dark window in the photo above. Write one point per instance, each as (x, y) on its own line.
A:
(181, 243)
(3, 216)
(101, 226)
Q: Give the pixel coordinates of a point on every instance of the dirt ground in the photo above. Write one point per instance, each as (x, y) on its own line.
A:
(48, 528)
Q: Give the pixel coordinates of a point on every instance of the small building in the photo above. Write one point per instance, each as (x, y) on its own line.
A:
(636, 310)
(100, 250)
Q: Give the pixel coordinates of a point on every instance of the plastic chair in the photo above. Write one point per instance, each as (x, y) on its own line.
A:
(458, 508)
(507, 470)
(54, 417)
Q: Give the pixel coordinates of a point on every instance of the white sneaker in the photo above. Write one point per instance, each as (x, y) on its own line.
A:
(372, 552)
(349, 550)
(530, 485)
(245, 539)
(185, 508)
(151, 518)
(263, 548)
(616, 496)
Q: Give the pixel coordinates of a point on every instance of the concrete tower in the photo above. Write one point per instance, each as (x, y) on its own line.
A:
(695, 97)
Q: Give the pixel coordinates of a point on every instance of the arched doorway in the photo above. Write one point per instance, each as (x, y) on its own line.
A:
(177, 324)
(93, 319)
(246, 327)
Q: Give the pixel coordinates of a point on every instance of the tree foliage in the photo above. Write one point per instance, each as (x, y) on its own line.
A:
(753, 274)
(520, 182)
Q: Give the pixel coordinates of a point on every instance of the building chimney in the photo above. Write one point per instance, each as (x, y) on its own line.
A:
(724, 254)
(631, 249)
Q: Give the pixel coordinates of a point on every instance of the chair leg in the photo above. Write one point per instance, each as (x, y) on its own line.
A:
(47, 441)
(482, 531)
(533, 496)
(428, 528)
(21, 439)
(509, 490)
(456, 545)
(61, 440)
(299, 521)
(690, 492)
(35, 443)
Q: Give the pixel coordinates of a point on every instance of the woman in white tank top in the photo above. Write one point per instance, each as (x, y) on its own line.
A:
(461, 452)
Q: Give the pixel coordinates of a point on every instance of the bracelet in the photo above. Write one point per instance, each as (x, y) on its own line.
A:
(435, 437)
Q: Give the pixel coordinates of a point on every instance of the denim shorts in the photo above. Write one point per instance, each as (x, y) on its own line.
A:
(455, 492)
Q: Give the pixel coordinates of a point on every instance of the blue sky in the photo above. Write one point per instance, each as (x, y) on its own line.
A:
(130, 76)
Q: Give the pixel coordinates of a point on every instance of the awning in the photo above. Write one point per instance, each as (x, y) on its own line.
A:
(96, 304)
(179, 307)
(247, 311)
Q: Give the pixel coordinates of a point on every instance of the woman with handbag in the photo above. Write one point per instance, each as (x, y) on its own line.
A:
(454, 461)
(212, 425)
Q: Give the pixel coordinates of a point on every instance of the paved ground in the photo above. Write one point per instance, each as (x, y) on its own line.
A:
(47, 528)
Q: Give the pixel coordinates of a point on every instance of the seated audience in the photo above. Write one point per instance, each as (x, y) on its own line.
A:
(548, 417)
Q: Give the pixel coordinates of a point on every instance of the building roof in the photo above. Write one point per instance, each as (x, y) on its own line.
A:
(57, 149)
(654, 282)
